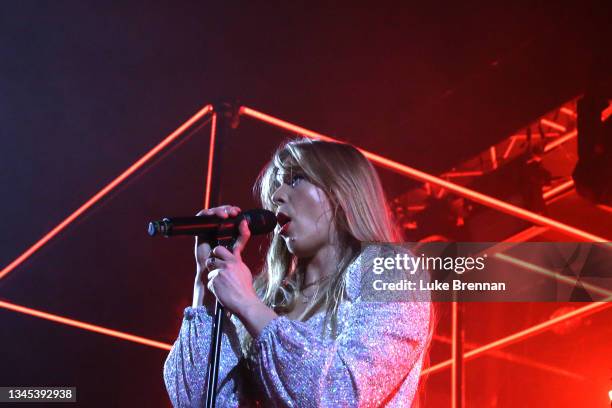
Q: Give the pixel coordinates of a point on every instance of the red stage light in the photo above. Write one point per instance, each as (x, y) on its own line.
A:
(554, 275)
(387, 163)
(523, 334)
(568, 112)
(553, 125)
(428, 178)
(84, 326)
(98, 196)
(211, 157)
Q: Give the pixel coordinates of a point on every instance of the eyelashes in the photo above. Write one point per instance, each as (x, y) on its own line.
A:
(290, 179)
(295, 180)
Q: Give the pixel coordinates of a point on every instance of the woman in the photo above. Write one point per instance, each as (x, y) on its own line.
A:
(303, 333)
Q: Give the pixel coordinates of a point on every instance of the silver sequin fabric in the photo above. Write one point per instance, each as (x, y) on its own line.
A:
(375, 359)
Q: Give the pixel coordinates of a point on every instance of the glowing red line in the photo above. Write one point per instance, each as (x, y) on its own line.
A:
(89, 203)
(284, 125)
(526, 234)
(557, 189)
(560, 140)
(553, 125)
(513, 358)
(560, 196)
(510, 146)
(552, 274)
(604, 115)
(605, 207)
(454, 354)
(211, 157)
(522, 136)
(428, 178)
(531, 331)
(454, 174)
(84, 326)
(568, 112)
(493, 154)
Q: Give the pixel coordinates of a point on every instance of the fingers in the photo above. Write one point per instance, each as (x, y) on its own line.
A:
(222, 253)
(213, 263)
(225, 254)
(223, 211)
(226, 211)
(243, 238)
(210, 262)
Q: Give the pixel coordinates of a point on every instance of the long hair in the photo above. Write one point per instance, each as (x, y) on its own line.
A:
(360, 215)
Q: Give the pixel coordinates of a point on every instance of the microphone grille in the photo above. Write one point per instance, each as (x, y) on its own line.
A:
(260, 221)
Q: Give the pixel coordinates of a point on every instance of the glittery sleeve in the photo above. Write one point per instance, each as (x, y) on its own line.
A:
(186, 364)
(376, 358)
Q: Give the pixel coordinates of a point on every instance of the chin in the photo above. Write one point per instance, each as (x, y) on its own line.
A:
(297, 249)
(291, 245)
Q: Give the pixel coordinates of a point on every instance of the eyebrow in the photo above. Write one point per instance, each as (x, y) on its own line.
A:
(284, 176)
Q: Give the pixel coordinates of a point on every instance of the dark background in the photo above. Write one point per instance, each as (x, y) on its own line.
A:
(86, 88)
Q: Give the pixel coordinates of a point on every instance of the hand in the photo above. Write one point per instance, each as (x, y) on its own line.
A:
(202, 253)
(229, 278)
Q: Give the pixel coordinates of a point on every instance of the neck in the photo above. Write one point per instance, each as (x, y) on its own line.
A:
(321, 265)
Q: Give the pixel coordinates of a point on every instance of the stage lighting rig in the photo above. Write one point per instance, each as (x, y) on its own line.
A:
(531, 168)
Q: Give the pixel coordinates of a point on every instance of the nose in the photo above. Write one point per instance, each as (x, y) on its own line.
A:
(279, 196)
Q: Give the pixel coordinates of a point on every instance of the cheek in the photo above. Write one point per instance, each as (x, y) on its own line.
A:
(316, 199)
(319, 210)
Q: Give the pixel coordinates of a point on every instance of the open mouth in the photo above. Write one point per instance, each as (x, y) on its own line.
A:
(283, 220)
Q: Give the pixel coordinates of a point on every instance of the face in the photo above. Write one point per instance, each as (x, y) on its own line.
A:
(304, 215)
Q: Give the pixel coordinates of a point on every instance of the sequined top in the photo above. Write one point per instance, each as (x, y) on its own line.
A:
(375, 359)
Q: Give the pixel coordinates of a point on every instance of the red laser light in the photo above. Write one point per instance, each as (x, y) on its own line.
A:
(84, 326)
(211, 157)
(107, 189)
(523, 334)
(428, 178)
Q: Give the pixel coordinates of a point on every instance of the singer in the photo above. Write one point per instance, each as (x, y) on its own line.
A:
(301, 334)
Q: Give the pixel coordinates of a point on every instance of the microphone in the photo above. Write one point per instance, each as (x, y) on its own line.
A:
(213, 228)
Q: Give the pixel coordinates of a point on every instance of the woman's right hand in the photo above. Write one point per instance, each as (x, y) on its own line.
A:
(202, 252)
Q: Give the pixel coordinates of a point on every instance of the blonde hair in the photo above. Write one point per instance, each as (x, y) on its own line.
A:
(360, 214)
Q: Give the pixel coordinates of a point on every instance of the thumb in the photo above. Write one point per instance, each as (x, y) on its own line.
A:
(242, 240)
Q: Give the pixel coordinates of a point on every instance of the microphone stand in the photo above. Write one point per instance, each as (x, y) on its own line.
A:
(212, 373)
(225, 118)
(457, 346)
